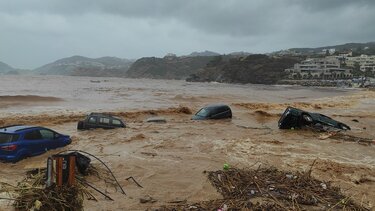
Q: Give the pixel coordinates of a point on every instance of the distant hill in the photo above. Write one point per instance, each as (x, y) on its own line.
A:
(240, 53)
(4, 68)
(169, 67)
(83, 66)
(203, 53)
(256, 68)
(360, 48)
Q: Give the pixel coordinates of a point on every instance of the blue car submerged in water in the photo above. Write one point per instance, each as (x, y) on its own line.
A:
(19, 141)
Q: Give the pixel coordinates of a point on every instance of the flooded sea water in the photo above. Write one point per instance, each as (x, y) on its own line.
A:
(168, 159)
(65, 93)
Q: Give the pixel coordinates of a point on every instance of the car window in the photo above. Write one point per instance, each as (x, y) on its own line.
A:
(47, 134)
(116, 122)
(204, 112)
(92, 120)
(222, 109)
(6, 138)
(104, 120)
(33, 135)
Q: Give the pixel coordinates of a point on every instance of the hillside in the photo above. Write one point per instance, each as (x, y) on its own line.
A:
(203, 53)
(359, 48)
(4, 68)
(169, 67)
(256, 68)
(83, 66)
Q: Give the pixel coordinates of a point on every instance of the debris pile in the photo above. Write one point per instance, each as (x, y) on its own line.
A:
(36, 192)
(31, 194)
(270, 189)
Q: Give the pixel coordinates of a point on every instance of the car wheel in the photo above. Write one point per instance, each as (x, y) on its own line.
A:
(80, 125)
(19, 158)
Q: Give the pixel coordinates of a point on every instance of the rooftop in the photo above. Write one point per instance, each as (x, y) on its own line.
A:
(14, 128)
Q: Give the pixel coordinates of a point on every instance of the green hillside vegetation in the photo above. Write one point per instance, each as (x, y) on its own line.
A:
(256, 69)
(168, 67)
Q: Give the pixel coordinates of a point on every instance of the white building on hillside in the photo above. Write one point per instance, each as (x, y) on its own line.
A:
(365, 62)
(319, 68)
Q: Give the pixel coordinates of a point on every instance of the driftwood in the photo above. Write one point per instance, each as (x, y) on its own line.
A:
(337, 135)
(270, 189)
(31, 194)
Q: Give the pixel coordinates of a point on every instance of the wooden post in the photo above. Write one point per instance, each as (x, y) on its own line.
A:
(59, 168)
(72, 167)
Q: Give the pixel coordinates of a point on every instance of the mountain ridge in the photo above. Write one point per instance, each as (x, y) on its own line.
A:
(167, 67)
(4, 68)
(84, 66)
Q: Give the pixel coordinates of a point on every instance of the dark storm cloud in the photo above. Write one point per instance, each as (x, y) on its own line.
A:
(34, 32)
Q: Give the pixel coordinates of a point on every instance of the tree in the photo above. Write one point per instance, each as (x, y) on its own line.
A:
(369, 73)
(309, 75)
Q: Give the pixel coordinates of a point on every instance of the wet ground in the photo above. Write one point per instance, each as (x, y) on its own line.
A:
(169, 159)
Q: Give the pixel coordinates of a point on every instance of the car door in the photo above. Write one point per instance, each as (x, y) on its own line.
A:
(215, 113)
(34, 143)
(104, 122)
(116, 123)
(48, 138)
(221, 113)
(92, 122)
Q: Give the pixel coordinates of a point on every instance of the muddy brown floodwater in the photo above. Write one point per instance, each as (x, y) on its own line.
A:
(169, 159)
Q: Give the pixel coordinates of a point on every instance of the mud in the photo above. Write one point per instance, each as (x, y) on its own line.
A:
(169, 159)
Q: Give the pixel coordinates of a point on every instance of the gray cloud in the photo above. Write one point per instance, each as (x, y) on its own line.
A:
(34, 32)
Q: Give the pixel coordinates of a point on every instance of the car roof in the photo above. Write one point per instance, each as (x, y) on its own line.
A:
(217, 106)
(103, 115)
(15, 128)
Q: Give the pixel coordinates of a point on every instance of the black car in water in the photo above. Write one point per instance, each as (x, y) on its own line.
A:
(100, 120)
(213, 112)
(297, 118)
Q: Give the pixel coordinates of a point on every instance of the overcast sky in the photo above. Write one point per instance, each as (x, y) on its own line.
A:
(36, 32)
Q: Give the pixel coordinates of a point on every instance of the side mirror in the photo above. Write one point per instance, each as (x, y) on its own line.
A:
(57, 135)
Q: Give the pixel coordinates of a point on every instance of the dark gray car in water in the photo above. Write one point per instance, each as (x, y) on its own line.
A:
(100, 120)
(297, 118)
(219, 111)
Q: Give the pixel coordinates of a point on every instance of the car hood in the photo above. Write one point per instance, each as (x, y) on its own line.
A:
(64, 136)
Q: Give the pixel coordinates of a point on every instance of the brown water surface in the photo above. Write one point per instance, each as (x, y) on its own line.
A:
(169, 159)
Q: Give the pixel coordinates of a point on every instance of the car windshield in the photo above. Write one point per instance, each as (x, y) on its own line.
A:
(204, 112)
(6, 138)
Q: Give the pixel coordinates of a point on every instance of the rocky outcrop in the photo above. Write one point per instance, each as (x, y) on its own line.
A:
(169, 67)
(256, 68)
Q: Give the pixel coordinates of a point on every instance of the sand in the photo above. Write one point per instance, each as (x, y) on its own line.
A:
(169, 159)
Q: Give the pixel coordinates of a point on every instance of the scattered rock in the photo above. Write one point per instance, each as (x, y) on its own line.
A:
(147, 199)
